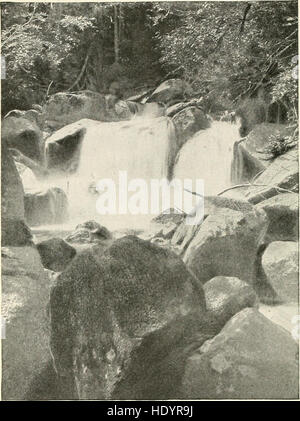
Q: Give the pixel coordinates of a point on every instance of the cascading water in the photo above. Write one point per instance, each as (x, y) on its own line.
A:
(208, 155)
(142, 148)
(139, 147)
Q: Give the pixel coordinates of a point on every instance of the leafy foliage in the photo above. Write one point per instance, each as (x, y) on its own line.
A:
(225, 51)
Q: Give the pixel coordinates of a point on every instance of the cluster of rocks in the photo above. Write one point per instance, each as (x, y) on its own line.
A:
(172, 317)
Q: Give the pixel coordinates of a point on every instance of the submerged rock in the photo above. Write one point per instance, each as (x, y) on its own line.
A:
(280, 262)
(25, 294)
(115, 316)
(55, 254)
(251, 358)
(226, 296)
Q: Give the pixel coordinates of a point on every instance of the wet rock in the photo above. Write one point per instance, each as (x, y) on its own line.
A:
(116, 314)
(283, 173)
(63, 146)
(283, 214)
(226, 296)
(167, 91)
(89, 232)
(250, 155)
(25, 294)
(23, 135)
(280, 262)
(46, 206)
(251, 358)
(55, 254)
(189, 121)
(174, 109)
(226, 244)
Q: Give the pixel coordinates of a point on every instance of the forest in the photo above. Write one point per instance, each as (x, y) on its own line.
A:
(224, 51)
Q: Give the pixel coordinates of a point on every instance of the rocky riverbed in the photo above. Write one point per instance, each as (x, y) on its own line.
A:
(172, 311)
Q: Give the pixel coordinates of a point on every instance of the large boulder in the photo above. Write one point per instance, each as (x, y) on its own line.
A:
(25, 294)
(189, 121)
(64, 108)
(48, 206)
(280, 263)
(55, 254)
(115, 316)
(250, 155)
(283, 215)
(33, 115)
(23, 135)
(14, 231)
(226, 244)
(226, 296)
(12, 192)
(251, 358)
(172, 89)
(185, 233)
(281, 176)
(174, 109)
(63, 147)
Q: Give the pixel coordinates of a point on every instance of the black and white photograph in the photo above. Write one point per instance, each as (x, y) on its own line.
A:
(149, 203)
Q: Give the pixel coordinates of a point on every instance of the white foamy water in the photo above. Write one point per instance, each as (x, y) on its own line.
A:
(140, 148)
(208, 155)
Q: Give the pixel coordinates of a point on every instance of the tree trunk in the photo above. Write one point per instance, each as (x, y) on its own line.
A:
(116, 34)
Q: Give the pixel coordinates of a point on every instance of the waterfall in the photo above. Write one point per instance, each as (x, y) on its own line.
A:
(208, 156)
(144, 148)
(141, 147)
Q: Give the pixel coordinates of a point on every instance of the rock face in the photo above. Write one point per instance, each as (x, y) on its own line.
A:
(227, 296)
(12, 202)
(250, 156)
(283, 173)
(280, 262)
(283, 215)
(63, 146)
(25, 294)
(55, 254)
(115, 315)
(46, 207)
(226, 244)
(64, 108)
(188, 121)
(23, 135)
(172, 89)
(14, 231)
(251, 358)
